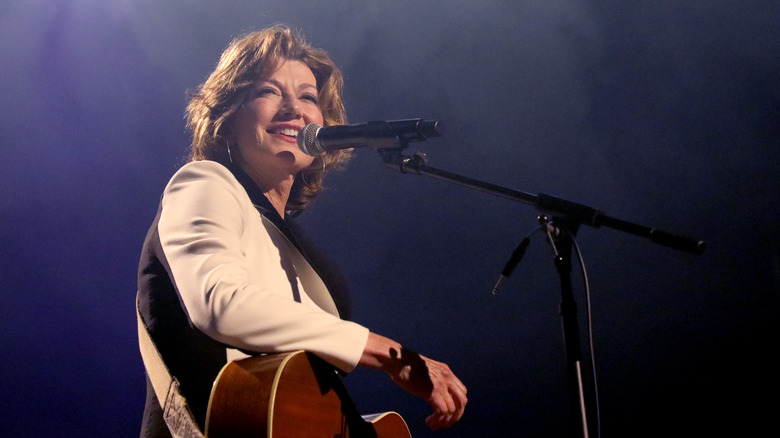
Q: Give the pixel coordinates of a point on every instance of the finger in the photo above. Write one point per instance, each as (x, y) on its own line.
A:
(460, 398)
(461, 386)
(455, 403)
(439, 421)
(460, 406)
(447, 410)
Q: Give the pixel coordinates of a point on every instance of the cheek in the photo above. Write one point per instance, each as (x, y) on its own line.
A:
(315, 116)
(248, 126)
(305, 160)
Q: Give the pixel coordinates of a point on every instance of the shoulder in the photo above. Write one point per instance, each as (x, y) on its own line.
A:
(204, 175)
(207, 183)
(203, 170)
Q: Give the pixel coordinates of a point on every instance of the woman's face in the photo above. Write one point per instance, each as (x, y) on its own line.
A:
(266, 127)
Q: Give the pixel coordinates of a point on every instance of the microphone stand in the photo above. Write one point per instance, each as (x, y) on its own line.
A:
(570, 216)
(556, 207)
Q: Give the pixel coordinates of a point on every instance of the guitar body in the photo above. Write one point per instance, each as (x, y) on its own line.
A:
(290, 395)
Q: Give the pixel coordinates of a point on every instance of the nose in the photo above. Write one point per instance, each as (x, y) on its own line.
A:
(291, 107)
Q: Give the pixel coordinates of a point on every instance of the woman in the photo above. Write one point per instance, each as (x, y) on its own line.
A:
(215, 282)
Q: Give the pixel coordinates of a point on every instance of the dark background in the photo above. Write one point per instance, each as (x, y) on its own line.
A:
(663, 113)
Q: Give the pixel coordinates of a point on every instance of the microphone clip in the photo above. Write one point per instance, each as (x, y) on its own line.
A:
(554, 233)
(414, 161)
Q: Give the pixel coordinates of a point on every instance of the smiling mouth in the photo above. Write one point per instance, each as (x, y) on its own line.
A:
(287, 132)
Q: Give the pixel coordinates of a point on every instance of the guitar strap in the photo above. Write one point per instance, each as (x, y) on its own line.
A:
(176, 413)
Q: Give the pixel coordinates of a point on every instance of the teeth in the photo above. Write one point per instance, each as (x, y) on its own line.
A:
(289, 132)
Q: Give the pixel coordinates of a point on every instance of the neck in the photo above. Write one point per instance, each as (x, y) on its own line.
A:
(278, 198)
(275, 187)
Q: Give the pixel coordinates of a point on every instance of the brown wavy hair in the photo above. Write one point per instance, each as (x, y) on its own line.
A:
(246, 61)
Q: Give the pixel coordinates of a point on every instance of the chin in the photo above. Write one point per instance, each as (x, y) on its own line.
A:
(296, 159)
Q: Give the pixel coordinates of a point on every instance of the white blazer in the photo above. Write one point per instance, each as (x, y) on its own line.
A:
(236, 280)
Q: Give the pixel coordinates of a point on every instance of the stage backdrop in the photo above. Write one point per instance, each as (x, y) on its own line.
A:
(659, 112)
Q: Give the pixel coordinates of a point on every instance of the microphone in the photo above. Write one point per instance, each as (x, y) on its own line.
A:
(510, 266)
(315, 139)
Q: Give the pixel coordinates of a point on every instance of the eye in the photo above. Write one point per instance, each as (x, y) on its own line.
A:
(265, 91)
(310, 97)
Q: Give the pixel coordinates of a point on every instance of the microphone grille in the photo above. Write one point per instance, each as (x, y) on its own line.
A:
(307, 140)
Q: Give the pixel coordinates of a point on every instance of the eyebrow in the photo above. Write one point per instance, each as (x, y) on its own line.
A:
(303, 85)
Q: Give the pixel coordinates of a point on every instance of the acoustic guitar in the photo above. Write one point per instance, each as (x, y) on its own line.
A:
(290, 395)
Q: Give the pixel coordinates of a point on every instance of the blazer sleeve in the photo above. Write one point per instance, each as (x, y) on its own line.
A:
(205, 222)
